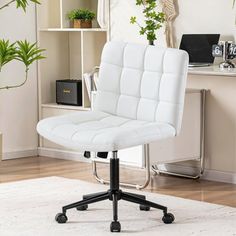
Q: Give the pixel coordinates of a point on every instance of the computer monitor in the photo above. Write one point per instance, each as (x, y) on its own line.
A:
(199, 47)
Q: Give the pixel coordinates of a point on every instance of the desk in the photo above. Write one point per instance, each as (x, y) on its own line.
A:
(212, 71)
(220, 119)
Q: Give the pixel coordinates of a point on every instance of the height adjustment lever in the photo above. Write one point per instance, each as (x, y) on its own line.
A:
(102, 155)
(87, 154)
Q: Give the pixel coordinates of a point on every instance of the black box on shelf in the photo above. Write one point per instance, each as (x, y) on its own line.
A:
(69, 92)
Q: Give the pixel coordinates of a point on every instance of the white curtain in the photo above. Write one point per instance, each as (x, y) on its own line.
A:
(102, 13)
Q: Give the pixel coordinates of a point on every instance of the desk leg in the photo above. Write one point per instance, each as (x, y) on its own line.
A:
(201, 160)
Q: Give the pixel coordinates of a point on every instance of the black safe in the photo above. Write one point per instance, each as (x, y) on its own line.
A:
(69, 92)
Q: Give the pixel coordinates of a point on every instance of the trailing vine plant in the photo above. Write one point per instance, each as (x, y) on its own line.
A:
(153, 20)
(22, 51)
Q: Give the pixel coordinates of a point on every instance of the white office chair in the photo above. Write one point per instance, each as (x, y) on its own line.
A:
(140, 99)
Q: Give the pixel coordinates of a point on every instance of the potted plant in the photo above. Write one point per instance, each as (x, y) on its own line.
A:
(153, 20)
(81, 18)
(22, 51)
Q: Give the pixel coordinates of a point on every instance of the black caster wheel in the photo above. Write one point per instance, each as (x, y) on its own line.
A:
(61, 218)
(115, 226)
(82, 208)
(144, 208)
(168, 218)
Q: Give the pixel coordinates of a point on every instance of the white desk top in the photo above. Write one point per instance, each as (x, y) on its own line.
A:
(212, 70)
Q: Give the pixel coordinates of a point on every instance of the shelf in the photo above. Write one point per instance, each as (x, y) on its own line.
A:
(65, 107)
(70, 52)
(73, 30)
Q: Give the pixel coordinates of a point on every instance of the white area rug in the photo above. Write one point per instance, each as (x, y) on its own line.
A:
(28, 208)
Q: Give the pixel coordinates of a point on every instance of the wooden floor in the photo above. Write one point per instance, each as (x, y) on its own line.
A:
(36, 167)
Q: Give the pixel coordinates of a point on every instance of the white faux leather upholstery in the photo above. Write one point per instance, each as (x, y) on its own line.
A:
(99, 131)
(140, 100)
(143, 82)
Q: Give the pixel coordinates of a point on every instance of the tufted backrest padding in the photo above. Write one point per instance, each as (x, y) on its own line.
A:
(142, 82)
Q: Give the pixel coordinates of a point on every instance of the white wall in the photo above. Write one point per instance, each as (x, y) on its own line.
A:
(196, 16)
(206, 16)
(18, 107)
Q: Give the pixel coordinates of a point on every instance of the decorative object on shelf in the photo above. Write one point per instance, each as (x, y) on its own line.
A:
(227, 50)
(88, 83)
(81, 18)
(153, 20)
(91, 81)
(102, 13)
(22, 51)
(169, 8)
(69, 92)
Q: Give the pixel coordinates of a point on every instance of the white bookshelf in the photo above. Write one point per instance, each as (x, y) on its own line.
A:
(69, 54)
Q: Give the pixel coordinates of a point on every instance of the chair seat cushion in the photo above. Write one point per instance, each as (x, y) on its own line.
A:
(98, 131)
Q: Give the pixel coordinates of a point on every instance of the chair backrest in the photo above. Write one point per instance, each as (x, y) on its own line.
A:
(142, 82)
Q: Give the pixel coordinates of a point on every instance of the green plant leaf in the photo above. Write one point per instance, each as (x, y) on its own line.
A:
(24, 3)
(7, 52)
(133, 19)
(139, 2)
(28, 53)
(19, 3)
(153, 20)
(81, 14)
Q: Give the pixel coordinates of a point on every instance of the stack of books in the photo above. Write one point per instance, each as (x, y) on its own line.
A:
(91, 81)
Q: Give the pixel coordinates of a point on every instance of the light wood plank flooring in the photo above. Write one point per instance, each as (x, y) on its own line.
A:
(36, 167)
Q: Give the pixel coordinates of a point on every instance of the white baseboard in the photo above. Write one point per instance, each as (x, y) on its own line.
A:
(220, 176)
(19, 154)
(61, 154)
(212, 175)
